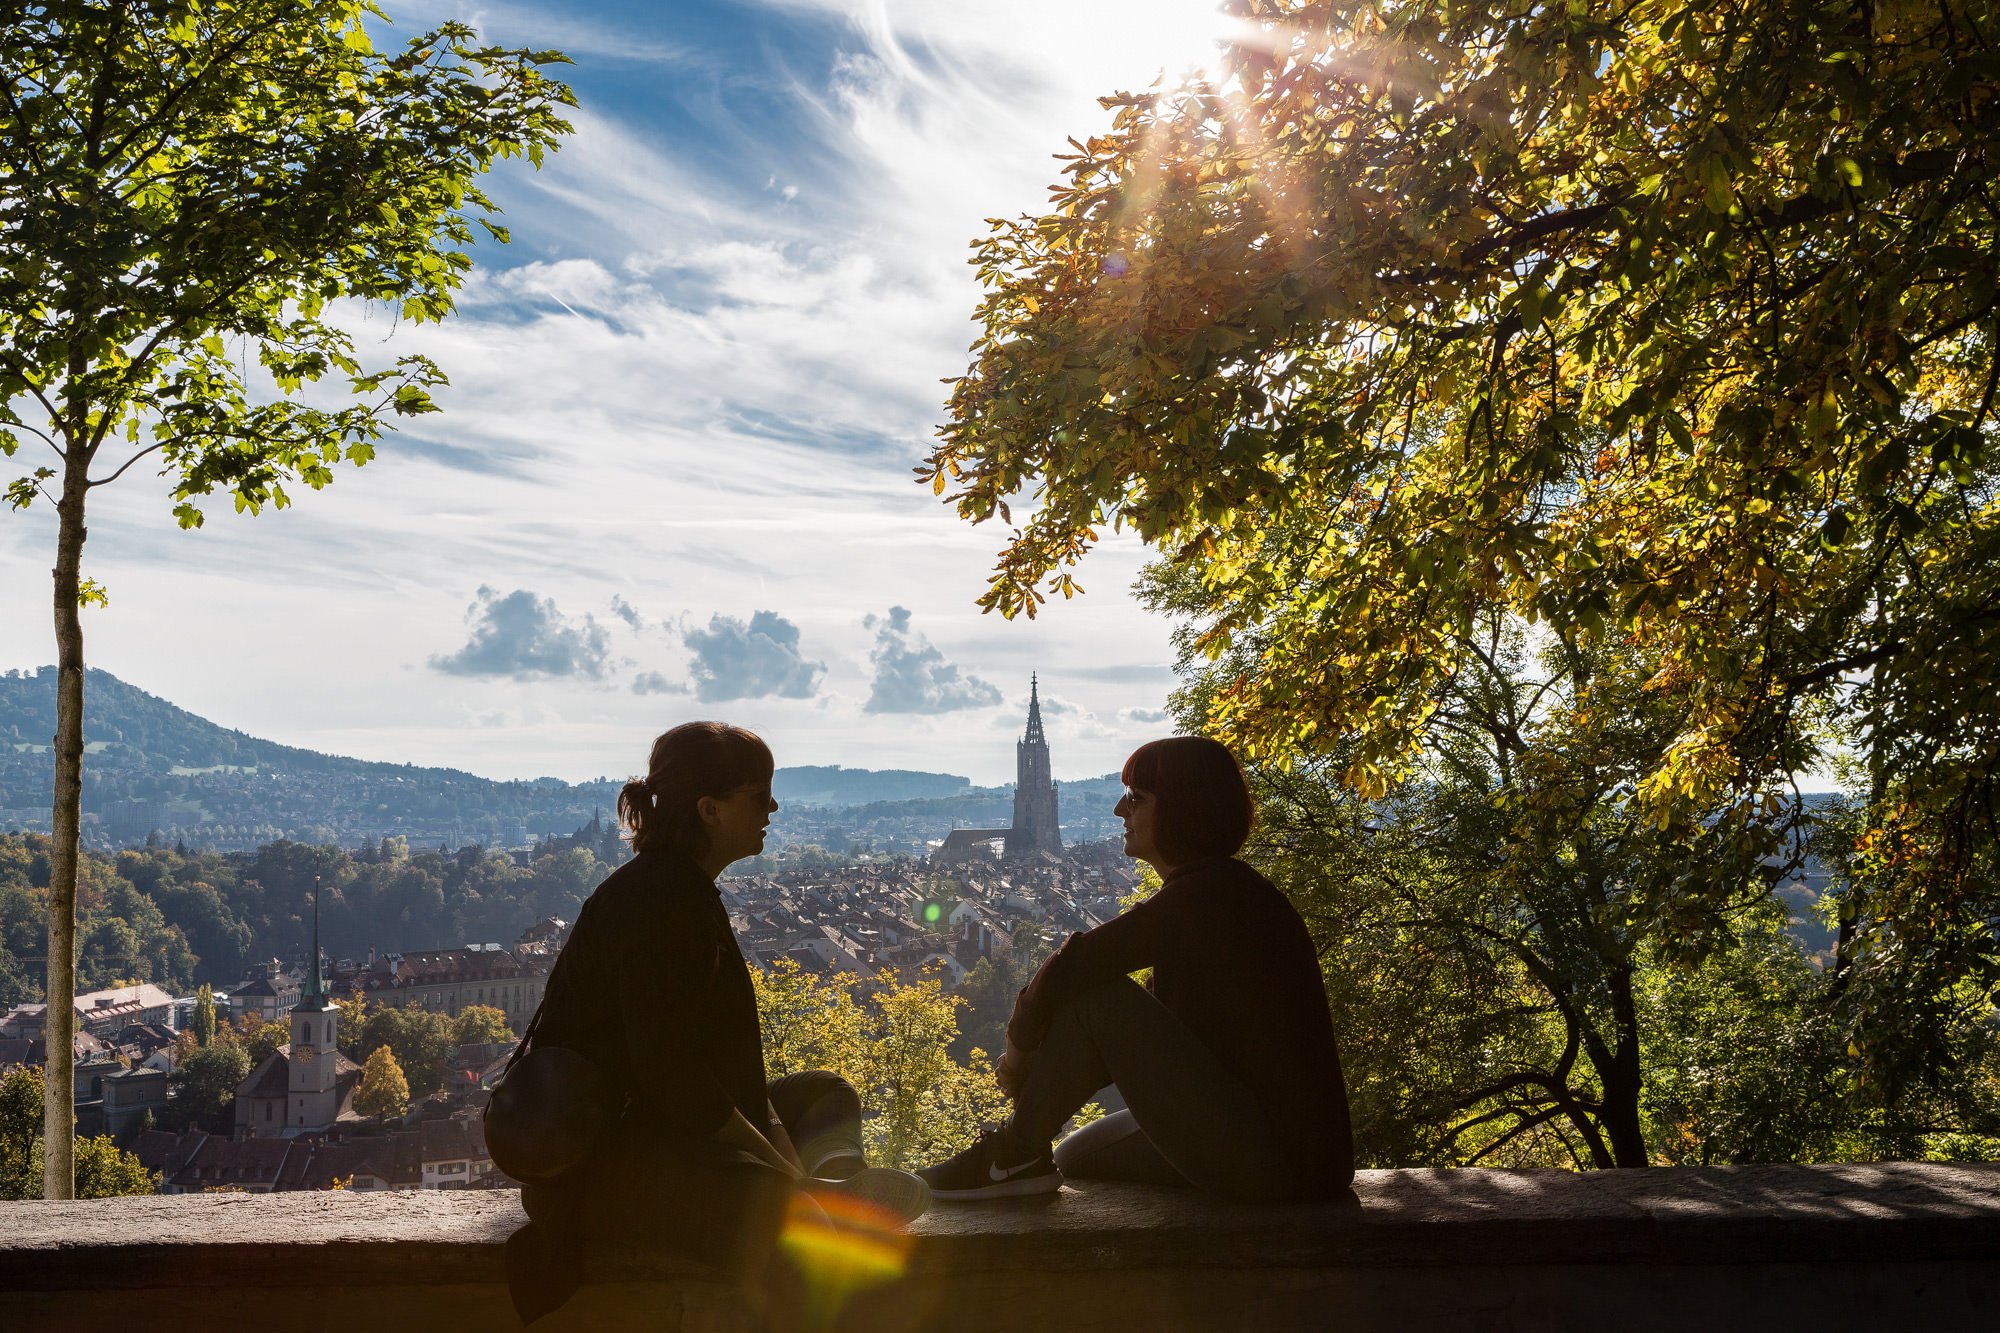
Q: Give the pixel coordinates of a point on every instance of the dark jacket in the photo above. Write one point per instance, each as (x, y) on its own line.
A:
(1231, 959)
(653, 989)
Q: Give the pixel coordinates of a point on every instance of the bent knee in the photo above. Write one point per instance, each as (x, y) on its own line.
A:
(812, 1087)
(1116, 995)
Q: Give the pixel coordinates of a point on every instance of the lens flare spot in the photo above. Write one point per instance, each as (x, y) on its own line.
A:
(842, 1243)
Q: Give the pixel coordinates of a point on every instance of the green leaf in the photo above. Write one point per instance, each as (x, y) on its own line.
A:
(1677, 427)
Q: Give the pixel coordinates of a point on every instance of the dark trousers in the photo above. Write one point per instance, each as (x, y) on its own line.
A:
(822, 1113)
(691, 1198)
(1189, 1121)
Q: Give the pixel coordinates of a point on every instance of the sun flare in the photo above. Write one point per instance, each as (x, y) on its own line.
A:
(1184, 38)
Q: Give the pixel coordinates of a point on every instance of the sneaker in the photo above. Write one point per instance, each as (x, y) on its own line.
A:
(898, 1195)
(981, 1172)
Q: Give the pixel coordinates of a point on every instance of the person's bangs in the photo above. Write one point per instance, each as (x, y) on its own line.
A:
(1203, 806)
(1142, 768)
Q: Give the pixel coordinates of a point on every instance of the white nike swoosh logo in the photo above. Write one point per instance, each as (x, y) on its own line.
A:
(994, 1173)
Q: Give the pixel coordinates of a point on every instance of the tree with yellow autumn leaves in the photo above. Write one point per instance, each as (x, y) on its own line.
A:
(891, 1039)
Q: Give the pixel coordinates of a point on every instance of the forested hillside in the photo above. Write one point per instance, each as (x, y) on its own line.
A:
(177, 918)
(128, 726)
(154, 767)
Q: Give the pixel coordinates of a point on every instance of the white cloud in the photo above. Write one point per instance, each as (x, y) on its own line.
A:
(738, 660)
(524, 636)
(652, 682)
(912, 676)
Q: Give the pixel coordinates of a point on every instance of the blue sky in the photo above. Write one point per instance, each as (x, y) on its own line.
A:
(672, 476)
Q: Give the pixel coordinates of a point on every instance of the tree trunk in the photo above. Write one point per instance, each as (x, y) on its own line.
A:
(1843, 943)
(1623, 1077)
(1850, 904)
(58, 1114)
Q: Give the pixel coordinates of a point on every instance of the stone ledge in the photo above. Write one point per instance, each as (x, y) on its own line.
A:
(1835, 1246)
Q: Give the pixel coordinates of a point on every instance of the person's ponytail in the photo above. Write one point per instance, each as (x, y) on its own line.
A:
(694, 760)
(635, 810)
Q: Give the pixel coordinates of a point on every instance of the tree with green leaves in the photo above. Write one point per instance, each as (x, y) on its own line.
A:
(909, 1078)
(202, 1023)
(353, 1023)
(1663, 326)
(481, 1023)
(103, 1170)
(1525, 972)
(1487, 922)
(260, 1039)
(202, 1088)
(187, 188)
(20, 1133)
(994, 982)
(421, 1038)
(383, 1090)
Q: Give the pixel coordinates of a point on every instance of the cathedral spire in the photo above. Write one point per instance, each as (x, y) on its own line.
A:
(1037, 826)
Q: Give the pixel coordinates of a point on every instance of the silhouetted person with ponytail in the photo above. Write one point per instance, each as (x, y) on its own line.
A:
(701, 1156)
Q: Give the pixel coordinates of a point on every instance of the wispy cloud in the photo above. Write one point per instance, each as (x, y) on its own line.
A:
(576, 35)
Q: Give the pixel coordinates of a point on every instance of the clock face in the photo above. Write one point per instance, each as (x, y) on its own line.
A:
(304, 1054)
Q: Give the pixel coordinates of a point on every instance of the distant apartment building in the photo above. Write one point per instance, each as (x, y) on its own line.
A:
(101, 1013)
(125, 1098)
(449, 980)
(267, 992)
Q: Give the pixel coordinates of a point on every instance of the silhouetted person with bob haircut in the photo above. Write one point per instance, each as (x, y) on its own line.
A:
(702, 1156)
(1226, 1059)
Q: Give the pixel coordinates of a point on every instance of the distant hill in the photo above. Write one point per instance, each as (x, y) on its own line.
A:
(155, 767)
(833, 785)
(126, 726)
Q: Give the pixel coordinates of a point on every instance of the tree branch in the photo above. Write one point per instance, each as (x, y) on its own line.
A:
(149, 449)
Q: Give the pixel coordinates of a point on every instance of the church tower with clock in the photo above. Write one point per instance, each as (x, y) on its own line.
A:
(313, 1100)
